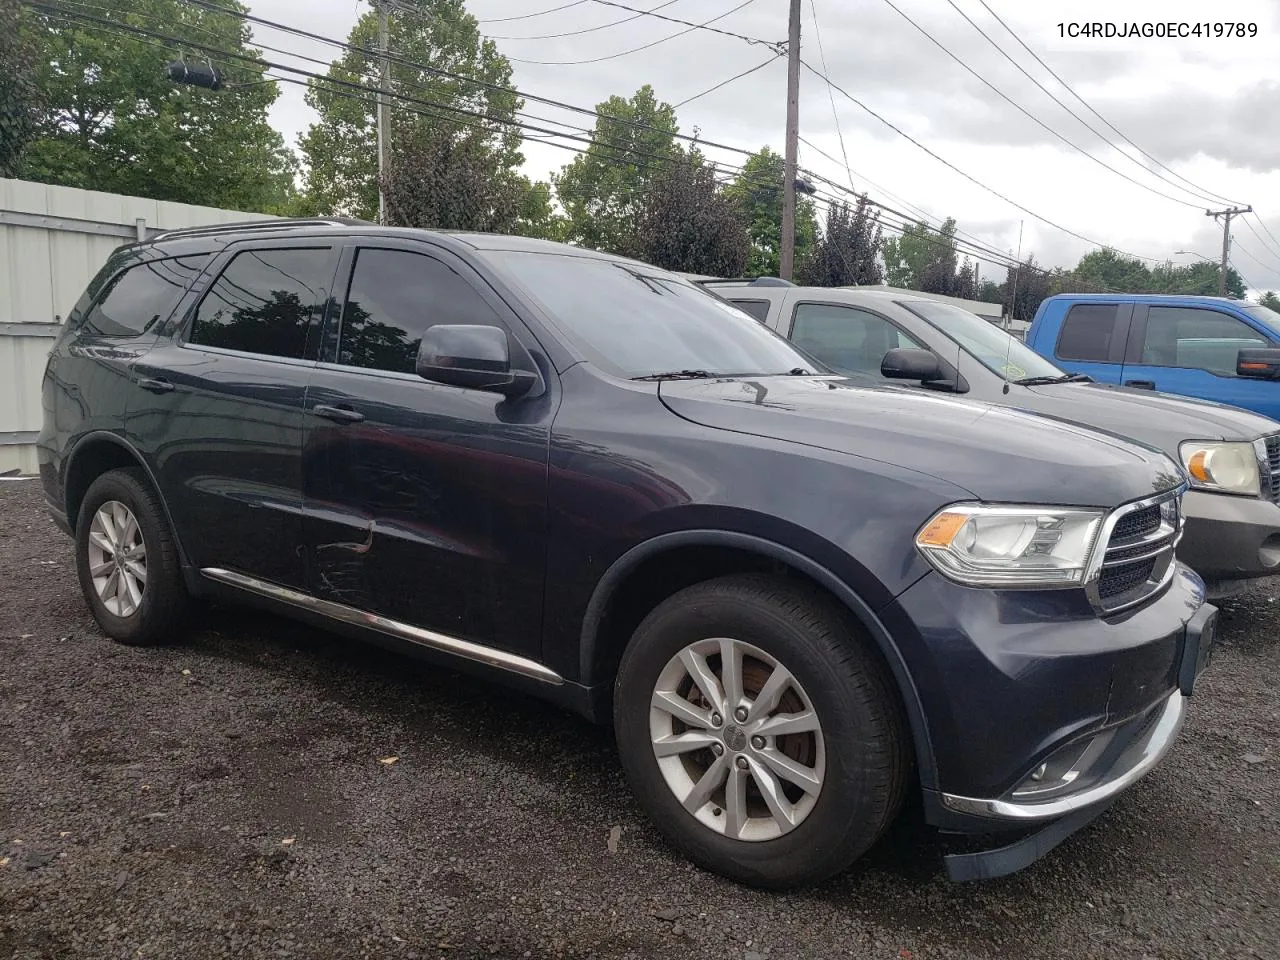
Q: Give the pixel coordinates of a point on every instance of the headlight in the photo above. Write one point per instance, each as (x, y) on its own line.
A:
(983, 546)
(1222, 467)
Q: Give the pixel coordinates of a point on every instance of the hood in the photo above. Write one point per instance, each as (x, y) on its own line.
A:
(996, 453)
(1160, 420)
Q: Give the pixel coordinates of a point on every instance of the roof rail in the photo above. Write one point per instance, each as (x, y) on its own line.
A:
(282, 223)
(750, 281)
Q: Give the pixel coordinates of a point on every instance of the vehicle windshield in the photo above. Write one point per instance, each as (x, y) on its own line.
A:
(1269, 317)
(1005, 355)
(639, 321)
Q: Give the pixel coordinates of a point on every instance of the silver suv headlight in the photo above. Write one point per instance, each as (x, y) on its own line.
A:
(1011, 546)
(1221, 466)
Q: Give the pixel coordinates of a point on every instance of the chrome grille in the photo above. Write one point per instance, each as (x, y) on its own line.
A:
(1273, 459)
(1138, 558)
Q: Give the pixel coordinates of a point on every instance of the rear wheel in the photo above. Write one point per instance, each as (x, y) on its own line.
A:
(127, 561)
(759, 734)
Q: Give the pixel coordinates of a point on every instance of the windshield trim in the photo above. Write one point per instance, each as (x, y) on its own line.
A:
(906, 304)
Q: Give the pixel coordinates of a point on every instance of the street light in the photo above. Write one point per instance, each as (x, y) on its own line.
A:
(1192, 253)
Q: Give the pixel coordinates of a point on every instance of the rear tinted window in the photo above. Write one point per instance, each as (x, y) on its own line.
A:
(139, 298)
(265, 302)
(757, 308)
(1087, 331)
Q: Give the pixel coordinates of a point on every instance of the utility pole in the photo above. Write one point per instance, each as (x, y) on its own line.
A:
(787, 255)
(1226, 240)
(384, 103)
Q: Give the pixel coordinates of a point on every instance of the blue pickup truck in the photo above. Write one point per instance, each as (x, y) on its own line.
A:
(1211, 348)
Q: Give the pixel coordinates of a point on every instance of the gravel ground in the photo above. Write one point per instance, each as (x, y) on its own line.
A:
(234, 796)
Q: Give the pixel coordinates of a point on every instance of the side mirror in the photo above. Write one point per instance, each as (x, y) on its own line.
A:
(905, 364)
(1260, 364)
(476, 357)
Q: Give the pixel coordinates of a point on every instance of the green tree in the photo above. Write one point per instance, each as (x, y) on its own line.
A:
(341, 147)
(1270, 300)
(689, 223)
(19, 95)
(1105, 269)
(922, 255)
(444, 178)
(112, 120)
(1030, 285)
(848, 253)
(758, 192)
(605, 189)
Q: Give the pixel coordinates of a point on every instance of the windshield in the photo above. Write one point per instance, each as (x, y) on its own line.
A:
(639, 321)
(1268, 316)
(1005, 355)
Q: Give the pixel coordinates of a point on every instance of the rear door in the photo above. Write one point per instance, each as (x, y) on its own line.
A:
(1193, 351)
(1092, 340)
(217, 407)
(425, 503)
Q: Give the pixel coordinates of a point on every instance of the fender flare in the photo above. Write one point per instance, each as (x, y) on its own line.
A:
(140, 460)
(621, 567)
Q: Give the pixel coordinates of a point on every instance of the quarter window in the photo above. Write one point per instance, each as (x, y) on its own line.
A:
(756, 308)
(1200, 339)
(394, 296)
(265, 302)
(846, 339)
(139, 298)
(1087, 331)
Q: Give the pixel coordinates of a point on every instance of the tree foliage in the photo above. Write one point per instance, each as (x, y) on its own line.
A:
(443, 178)
(923, 258)
(19, 93)
(758, 192)
(112, 120)
(1270, 300)
(688, 223)
(848, 252)
(341, 147)
(605, 190)
(1024, 289)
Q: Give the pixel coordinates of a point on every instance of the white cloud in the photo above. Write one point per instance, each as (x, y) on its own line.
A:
(1206, 107)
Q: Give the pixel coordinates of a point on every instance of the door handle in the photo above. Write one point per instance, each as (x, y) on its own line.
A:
(155, 384)
(337, 414)
(1141, 384)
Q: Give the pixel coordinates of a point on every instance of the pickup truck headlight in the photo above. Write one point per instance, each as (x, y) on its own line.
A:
(1221, 466)
(990, 546)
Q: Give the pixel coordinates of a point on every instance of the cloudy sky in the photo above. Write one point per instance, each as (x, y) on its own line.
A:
(1208, 108)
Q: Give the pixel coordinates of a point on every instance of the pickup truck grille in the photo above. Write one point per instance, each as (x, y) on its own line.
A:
(1273, 457)
(1140, 552)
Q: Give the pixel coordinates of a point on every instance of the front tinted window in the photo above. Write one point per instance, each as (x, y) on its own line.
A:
(264, 302)
(1200, 339)
(845, 338)
(1269, 317)
(638, 321)
(1086, 332)
(394, 297)
(1006, 356)
(137, 299)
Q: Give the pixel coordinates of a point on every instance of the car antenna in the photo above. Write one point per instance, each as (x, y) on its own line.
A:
(1013, 305)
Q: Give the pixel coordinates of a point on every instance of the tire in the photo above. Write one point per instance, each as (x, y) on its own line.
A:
(856, 763)
(155, 614)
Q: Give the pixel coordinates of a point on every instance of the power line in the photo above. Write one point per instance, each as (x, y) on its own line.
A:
(1263, 224)
(1200, 196)
(835, 114)
(1090, 108)
(972, 179)
(725, 83)
(1030, 116)
(705, 25)
(1266, 246)
(575, 33)
(688, 23)
(530, 16)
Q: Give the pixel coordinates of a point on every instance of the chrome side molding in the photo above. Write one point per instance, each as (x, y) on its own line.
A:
(426, 638)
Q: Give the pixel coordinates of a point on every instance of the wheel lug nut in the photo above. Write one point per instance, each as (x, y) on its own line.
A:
(716, 719)
(742, 763)
(717, 749)
(758, 742)
(740, 714)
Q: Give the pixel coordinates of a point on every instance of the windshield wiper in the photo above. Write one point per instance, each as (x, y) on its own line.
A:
(679, 375)
(1063, 378)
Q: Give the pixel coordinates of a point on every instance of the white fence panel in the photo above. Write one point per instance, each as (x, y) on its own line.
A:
(52, 241)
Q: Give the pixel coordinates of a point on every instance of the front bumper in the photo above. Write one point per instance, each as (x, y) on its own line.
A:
(1230, 538)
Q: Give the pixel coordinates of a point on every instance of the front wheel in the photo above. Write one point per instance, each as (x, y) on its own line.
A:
(759, 734)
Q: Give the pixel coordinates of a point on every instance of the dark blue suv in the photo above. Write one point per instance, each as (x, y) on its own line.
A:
(796, 599)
